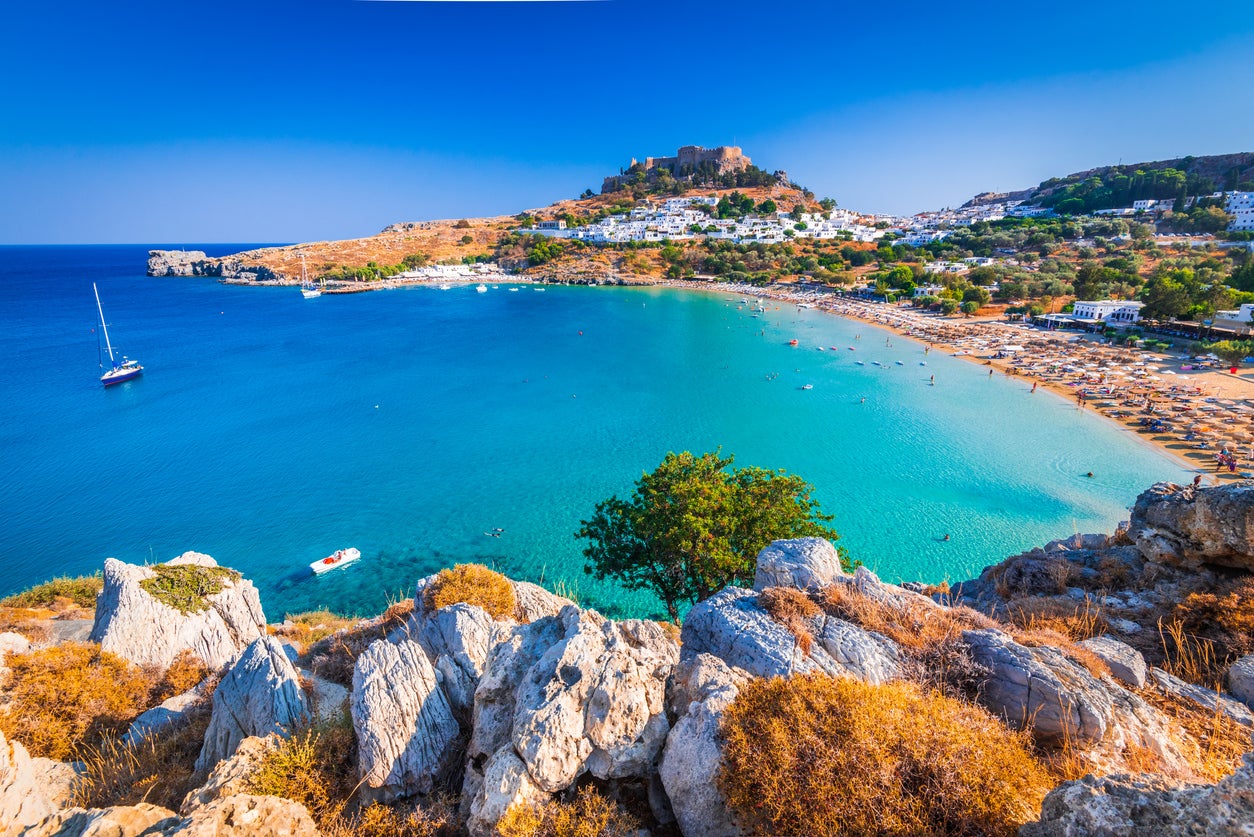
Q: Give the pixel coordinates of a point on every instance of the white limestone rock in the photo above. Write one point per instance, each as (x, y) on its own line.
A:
(534, 602)
(803, 563)
(405, 726)
(165, 715)
(141, 820)
(703, 687)
(230, 776)
(244, 815)
(1126, 663)
(733, 626)
(505, 783)
(260, 695)
(132, 624)
(457, 639)
(594, 701)
(1241, 680)
(31, 788)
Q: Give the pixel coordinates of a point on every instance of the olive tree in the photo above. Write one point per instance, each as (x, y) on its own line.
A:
(693, 527)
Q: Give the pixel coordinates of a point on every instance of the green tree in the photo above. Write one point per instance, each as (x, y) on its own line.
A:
(767, 207)
(948, 306)
(693, 527)
(969, 308)
(1232, 352)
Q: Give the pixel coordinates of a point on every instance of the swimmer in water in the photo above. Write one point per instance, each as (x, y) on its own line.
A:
(1089, 474)
(945, 538)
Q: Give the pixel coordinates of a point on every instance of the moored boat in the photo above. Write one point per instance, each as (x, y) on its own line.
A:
(339, 558)
(119, 372)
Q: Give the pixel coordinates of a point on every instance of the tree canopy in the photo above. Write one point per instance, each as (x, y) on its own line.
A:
(693, 527)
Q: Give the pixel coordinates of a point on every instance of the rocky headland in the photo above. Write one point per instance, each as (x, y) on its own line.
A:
(1099, 685)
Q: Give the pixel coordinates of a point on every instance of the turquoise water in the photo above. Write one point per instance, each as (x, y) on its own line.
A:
(269, 430)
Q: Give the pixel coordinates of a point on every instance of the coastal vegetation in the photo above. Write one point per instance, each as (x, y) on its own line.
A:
(78, 592)
(822, 755)
(472, 584)
(692, 527)
(187, 587)
(65, 699)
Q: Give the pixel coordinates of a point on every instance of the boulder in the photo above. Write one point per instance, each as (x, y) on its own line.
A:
(141, 820)
(505, 783)
(134, 625)
(1077, 542)
(534, 602)
(1126, 663)
(165, 715)
(405, 726)
(733, 626)
(230, 776)
(1208, 699)
(803, 563)
(260, 694)
(1132, 806)
(1192, 527)
(594, 701)
(458, 639)
(243, 815)
(1241, 680)
(30, 788)
(703, 687)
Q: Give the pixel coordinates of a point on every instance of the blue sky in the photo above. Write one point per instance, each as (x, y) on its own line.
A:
(183, 122)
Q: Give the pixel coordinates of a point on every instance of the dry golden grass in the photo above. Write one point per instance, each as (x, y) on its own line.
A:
(587, 815)
(818, 755)
(335, 656)
(67, 697)
(1224, 615)
(673, 632)
(1076, 621)
(435, 818)
(792, 609)
(316, 767)
(473, 584)
(311, 626)
(157, 770)
(1190, 657)
(1212, 742)
(185, 672)
(29, 622)
(929, 634)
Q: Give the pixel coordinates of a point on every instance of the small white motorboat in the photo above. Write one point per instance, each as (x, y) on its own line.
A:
(807, 386)
(339, 558)
(483, 289)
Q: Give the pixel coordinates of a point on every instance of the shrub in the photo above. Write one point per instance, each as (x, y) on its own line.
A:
(1063, 616)
(819, 755)
(59, 593)
(1225, 614)
(32, 624)
(185, 672)
(588, 815)
(316, 767)
(1213, 743)
(335, 656)
(158, 769)
(68, 696)
(438, 818)
(473, 584)
(792, 609)
(929, 634)
(312, 626)
(187, 587)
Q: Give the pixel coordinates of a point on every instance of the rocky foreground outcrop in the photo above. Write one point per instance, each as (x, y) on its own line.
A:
(134, 624)
(528, 706)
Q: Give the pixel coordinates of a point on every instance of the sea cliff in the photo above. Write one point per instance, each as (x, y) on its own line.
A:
(1097, 685)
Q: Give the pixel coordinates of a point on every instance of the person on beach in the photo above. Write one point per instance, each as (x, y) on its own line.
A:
(1034, 383)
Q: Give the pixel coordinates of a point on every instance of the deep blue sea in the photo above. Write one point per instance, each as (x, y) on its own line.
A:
(268, 430)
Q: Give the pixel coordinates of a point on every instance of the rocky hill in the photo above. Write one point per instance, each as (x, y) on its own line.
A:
(1196, 176)
(490, 706)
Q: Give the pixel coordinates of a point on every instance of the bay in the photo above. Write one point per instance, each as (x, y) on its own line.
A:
(268, 430)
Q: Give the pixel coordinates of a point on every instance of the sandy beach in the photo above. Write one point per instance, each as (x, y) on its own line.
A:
(1190, 410)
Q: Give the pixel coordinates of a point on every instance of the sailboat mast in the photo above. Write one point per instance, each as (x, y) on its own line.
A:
(103, 327)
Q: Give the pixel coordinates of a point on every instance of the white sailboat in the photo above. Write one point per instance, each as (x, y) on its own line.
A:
(118, 372)
(307, 289)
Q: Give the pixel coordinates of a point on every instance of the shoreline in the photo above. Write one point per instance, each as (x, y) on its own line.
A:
(1199, 461)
